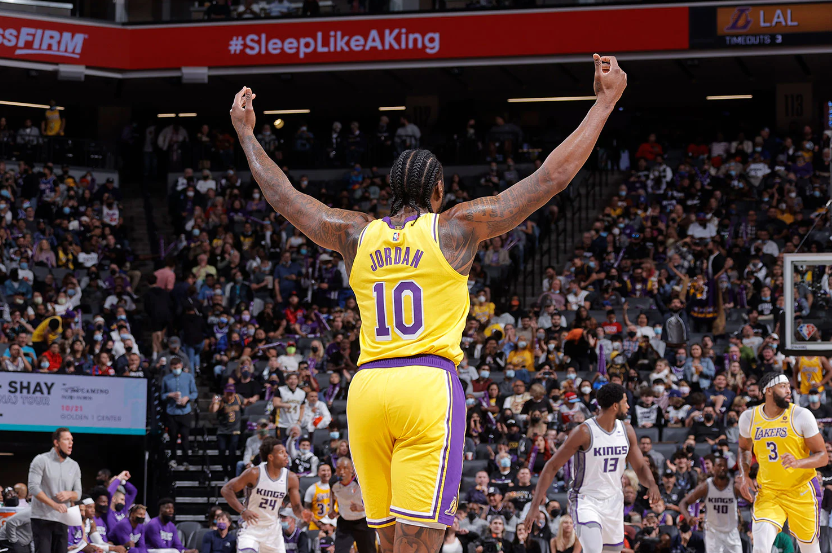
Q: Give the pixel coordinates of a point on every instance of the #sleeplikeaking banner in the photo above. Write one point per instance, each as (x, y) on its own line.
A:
(85, 404)
(503, 34)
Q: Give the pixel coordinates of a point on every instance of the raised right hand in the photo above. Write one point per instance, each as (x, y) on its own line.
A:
(531, 517)
(610, 80)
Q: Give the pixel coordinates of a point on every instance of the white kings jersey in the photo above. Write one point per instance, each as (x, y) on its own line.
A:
(597, 471)
(721, 508)
(266, 498)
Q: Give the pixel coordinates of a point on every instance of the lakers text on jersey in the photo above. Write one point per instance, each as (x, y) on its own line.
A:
(784, 493)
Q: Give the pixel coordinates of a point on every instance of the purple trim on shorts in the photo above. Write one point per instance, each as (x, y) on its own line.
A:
(456, 444)
(247, 549)
(422, 360)
(612, 544)
(392, 226)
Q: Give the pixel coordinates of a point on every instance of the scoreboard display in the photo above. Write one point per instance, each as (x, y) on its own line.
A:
(745, 26)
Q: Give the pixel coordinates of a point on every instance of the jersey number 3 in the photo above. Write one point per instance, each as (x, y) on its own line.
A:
(772, 451)
(406, 330)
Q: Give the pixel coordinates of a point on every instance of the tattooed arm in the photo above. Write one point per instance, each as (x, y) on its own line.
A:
(334, 229)
(466, 225)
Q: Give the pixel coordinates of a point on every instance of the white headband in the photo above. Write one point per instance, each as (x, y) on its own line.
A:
(87, 501)
(779, 380)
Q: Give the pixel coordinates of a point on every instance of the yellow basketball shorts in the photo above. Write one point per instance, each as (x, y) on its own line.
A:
(406, 420)
(800, 506)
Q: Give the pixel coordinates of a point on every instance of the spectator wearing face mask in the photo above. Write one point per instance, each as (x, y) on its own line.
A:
(252, 449)
(522, 356)
(289, 360)
(129, 532)
(105, 519)
(219, 540)
(647, 413)
(304, 462)
(178, 389)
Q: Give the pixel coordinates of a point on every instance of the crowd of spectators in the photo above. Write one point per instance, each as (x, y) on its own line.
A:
(674, 293)
(334, 146)
(68, 303)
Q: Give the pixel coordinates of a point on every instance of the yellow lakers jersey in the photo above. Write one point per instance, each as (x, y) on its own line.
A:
(53, 122)
(320, 502)
(412, 301)
(772, 439)
(811, 373)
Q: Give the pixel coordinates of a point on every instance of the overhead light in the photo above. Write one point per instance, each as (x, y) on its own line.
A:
(550, 99)
(25, 105)
(5, 454)
(187, 115)
(278, 123)
(285, 111)
(392, 108)
(730, 97)
(163, 115)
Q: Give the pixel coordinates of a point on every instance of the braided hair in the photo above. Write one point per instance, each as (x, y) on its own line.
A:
(414, 175)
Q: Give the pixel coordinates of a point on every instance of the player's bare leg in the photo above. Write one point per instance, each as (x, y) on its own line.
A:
(386, 538)
(417, 539)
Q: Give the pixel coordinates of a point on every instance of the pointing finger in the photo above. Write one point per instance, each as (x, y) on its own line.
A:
(597, 60)
(248, 100)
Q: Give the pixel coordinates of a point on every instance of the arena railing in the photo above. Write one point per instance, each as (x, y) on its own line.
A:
(577, 206)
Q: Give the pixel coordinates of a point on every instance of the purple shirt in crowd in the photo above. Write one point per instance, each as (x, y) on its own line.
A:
(76, 535)
(105, 524)
(158, 535)
(124, 533)
(130, 493)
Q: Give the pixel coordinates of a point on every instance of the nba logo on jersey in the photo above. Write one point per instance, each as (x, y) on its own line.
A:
(395, 237)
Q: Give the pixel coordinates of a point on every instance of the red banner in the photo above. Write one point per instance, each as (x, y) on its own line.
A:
(343, 40)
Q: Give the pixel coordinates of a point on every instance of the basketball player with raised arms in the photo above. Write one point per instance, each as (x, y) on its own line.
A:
(600, 450)
(267, 486)
(719, 494)
(789, 448)
(409, 272)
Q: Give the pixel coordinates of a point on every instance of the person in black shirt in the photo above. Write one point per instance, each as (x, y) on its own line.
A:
(818, 409)
(496, 507)
(522, 491)
(248, 388)
(636, 249)
(709, 429)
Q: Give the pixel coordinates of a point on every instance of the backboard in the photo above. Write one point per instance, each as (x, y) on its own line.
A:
(807, 331)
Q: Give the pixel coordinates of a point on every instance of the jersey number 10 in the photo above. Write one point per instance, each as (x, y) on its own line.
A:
(400, 325)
